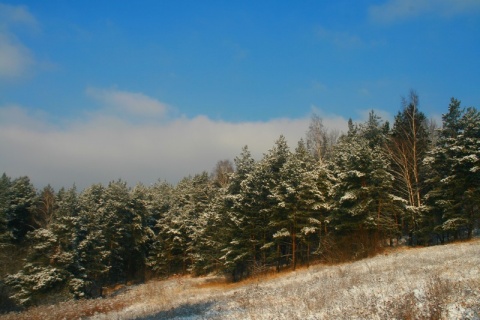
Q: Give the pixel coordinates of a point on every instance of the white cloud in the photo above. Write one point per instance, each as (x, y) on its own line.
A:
(107, 147)
(132, 103)
(394, 10)
(15, 58)
(16, 15)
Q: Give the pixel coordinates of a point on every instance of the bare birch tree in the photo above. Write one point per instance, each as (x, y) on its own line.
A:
(406, 148)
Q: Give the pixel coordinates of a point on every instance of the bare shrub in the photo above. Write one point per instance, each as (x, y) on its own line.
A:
(437, 291)
(404, 307)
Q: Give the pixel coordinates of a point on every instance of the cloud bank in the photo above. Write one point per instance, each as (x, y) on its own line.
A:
(108, 146)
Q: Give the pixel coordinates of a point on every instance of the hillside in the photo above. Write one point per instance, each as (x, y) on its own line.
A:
(441, 282)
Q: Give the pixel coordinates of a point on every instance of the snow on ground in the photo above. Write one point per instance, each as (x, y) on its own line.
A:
(441, 282)
(435, 282)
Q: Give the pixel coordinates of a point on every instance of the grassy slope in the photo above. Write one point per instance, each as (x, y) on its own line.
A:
(441, 282)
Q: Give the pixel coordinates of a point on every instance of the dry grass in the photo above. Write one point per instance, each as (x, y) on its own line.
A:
(440, 282)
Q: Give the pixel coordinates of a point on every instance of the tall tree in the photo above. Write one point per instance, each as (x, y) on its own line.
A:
(374, 130)
(240, 244)
(141, 234)
(92, 245)
(256, 213)
(161, 199)
(363, 210)
(179, 230)
(299, 194)
(5, 235)
(269, 174)
(455, 172)
(406, 148)
(20, 210)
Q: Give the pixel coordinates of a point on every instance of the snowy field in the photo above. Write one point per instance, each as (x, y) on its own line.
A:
(441, 282)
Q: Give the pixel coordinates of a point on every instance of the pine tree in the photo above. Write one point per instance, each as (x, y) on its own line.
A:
(141, 232)
(255, 216)
(41, 274)
(299, 194)
(364, 208)
(271, 217)
(239, 247)
(161, 199)
(5, 234)
(374, 131)
(213, 234)
(116, 219)
(454, 173)
(50, 263)
(179, 230)
(92, 245)
(70, 231)
(20, 210)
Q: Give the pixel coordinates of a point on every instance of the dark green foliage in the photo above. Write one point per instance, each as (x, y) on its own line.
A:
(454, 174)
(19, 211)
(302, 195)
(5, 234)
(180, 228)
(363, 204)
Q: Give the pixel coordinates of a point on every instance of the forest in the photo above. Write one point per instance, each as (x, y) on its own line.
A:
(334, 197)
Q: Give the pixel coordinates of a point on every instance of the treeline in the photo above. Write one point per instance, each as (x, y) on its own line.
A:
(333, 198)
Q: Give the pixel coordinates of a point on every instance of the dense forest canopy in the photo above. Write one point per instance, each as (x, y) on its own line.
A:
(333, 197)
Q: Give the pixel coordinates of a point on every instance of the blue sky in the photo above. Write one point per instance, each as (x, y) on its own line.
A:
(92, 91)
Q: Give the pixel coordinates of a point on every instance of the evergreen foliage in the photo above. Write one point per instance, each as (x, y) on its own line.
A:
(454, 174)
(325, 200)
(364, 208)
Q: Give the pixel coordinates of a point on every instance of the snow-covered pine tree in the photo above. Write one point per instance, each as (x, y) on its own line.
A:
(50, 264)
(5, 235)
(272, 217)
(117, 218)
(454, 174)
(41, 275)
(92, 246)
(374, 130)
(20, 210)
(181, 227)
(213, 233)
(141, 233)
(239, 248)
(67, 227)
(363, 207)
(161, 197)
(298, 193)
